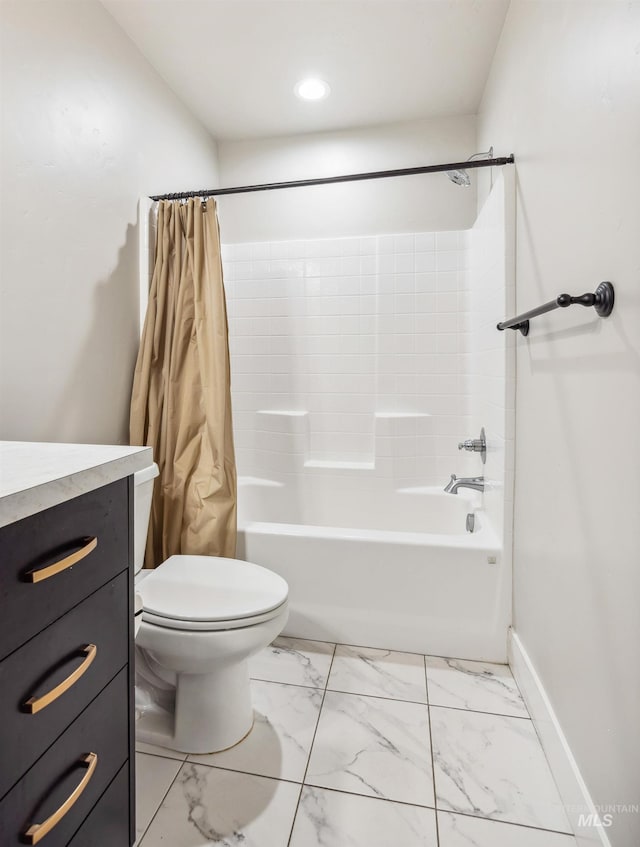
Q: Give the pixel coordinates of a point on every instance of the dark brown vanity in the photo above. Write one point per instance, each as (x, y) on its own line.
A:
(66, 664)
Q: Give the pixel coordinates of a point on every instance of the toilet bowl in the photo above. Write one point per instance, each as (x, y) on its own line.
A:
(202, 618)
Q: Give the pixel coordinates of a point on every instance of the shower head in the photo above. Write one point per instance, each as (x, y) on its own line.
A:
(461, 177)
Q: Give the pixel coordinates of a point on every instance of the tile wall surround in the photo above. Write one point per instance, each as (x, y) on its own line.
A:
(351, 357)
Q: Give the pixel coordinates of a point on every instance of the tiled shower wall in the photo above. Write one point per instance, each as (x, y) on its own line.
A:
(351, 356)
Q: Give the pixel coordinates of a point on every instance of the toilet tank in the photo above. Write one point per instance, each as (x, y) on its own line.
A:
(142, 493)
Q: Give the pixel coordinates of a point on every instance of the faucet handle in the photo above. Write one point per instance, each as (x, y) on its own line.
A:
(476, 445)
(473, 444)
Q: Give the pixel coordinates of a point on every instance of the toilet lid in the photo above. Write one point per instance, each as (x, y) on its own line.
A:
(209, 588)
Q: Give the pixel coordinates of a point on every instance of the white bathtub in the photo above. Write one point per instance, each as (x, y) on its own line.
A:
(395, 570)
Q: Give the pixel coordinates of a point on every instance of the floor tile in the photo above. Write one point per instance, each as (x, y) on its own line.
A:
(279, 743)
(333, 819)
(379, 673)
(481, 686)
(153, 778)
(373, 746)
(294, 660)
(493, 766)
(154, 750)
(210, 806)
(464, 831)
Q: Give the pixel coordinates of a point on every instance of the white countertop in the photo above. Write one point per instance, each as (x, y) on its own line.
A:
(35, 476)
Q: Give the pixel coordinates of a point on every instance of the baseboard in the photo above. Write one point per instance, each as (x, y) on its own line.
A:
(580, 808)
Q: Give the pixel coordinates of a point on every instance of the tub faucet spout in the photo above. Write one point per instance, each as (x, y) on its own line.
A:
(474, 482)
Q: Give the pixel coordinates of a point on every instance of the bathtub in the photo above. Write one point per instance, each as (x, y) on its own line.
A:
(389, 569)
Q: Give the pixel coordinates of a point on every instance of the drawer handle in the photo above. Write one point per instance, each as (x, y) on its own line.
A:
(37, 831)
(36, 704)
(61, 565)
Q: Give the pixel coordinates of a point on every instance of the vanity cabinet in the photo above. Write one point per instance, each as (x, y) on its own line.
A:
(66, 673)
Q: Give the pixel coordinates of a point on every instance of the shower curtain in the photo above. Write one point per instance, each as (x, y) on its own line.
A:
(181, 399)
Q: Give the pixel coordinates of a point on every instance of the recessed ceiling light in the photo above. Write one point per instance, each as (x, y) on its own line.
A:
(312, 89)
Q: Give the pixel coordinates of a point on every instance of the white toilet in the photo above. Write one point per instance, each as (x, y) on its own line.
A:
(202, 618)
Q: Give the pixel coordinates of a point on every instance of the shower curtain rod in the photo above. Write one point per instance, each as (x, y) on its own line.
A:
(328, 180)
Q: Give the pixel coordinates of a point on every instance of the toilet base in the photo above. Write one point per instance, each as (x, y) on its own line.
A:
(212, 712)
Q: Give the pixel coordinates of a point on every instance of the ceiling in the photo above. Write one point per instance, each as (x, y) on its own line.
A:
(235, 62)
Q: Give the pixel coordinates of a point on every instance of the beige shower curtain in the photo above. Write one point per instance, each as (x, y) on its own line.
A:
(181, 401)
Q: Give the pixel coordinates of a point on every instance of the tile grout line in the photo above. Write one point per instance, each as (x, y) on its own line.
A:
(508, 823)
(480, 712)
(388, 801)
(162, 756)
(159, 806)
(379, 697)
(292, 684)
(352, 793)
(304, 776)
(433, 766)
(227, 769)
(391, 699)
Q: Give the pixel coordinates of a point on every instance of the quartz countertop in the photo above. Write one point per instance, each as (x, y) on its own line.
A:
(35, 476)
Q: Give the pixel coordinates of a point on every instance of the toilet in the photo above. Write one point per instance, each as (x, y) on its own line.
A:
(199, 619)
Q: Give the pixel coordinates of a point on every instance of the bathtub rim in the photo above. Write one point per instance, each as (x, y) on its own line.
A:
(485, 539)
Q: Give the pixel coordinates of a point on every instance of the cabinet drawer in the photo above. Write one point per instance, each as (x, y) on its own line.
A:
(108, 822)
(47, 662)
(103, 729)
(30, 546)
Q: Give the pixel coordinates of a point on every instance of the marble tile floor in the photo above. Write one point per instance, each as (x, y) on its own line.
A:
(360, 747)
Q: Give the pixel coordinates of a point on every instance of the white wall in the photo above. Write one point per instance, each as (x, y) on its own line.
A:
(421, 203)
(564, 95)
(87, 127)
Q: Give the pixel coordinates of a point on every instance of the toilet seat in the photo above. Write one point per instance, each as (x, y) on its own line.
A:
(210, 626)
(211, 593)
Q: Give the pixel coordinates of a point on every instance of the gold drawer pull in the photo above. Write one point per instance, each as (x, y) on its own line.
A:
(38, 830)
(35, 704)
(44, 573)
